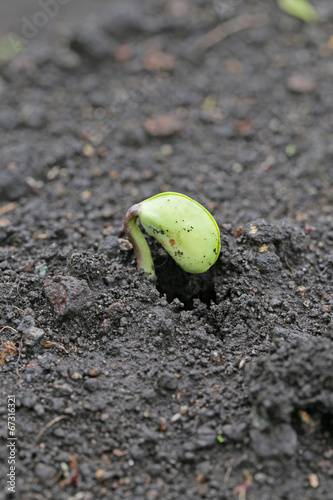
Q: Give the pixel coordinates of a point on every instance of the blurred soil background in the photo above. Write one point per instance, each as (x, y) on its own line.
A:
(203, 387)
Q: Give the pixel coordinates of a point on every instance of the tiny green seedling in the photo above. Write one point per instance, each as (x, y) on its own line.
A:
(186, 230)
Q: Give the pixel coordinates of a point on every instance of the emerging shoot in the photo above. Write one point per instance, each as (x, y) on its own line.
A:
(185, 229)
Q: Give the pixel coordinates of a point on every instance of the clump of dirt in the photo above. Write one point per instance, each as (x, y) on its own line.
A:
(296, 382)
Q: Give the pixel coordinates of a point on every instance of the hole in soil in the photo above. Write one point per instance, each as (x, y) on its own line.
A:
(186, 287)
(327, 424)
(313, 422)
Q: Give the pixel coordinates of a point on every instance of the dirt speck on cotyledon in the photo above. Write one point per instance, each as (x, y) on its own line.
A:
(209, 386)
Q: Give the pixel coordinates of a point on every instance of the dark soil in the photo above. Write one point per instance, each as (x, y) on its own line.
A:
(213, 386)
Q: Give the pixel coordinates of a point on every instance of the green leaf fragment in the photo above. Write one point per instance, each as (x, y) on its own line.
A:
(10, 46)
(299, 8)
(291, 150)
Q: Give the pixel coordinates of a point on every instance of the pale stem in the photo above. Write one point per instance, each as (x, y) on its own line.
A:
(142, 252)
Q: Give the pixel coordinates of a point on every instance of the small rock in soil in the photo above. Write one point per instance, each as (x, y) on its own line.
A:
(159, 61)
(268, 262)
(167, 381)
(13, 185)
(163, 125)
(123, 53)
(91, 384)
(31, 334)
(124, 19)
(45, 472)
(33, 116)
(29, 400)
(301, 84)
(205, 438)
(133, 136)
(91, 41)
(234, 432)
(68, 295)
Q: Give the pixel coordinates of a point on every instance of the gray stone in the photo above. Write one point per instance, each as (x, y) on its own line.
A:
(45, 472)
(33, 335)
(206, 437)
(167, 381)
(68, 295)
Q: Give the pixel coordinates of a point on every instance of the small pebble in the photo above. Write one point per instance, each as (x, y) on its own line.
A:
(163, 125)
(159, 61)
(301, 84)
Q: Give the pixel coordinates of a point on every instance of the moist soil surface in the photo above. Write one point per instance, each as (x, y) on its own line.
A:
(211, 386)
